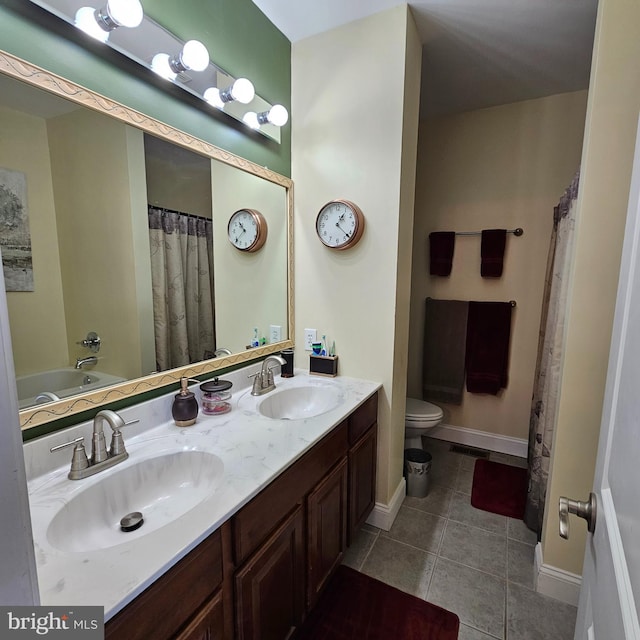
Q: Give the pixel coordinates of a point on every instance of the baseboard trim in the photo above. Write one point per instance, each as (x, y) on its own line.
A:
(383, 515)
(556, 583)
(480, 439)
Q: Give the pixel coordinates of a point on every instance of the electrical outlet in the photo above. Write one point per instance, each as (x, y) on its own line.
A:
(310, 336)
(275, 333)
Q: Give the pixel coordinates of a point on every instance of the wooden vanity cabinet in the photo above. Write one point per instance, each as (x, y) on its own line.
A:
(363, 453)
(257, 576)
(174, 601)
(207, 624)
(269, 588)
(326, 529)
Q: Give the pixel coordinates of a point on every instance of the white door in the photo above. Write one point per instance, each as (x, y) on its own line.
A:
(608, 609)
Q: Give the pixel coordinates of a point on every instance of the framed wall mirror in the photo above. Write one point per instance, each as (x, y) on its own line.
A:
(119, 271)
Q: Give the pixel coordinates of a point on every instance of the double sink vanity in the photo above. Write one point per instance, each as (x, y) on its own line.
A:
(245, 515)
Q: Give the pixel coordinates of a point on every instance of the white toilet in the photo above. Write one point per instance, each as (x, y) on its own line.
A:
(420, 416)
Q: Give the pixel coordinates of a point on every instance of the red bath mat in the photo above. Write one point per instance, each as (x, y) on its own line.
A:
(499, 488)
(357, 607)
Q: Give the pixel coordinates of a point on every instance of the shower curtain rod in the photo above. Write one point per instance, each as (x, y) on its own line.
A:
(516, 232)
(181, 213)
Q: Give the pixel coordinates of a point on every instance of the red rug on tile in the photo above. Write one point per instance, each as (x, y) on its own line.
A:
(499, 488)
(354, 606)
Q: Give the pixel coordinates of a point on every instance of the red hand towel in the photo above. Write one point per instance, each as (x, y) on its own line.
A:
(492, 252)
(441, 245)
(488, 336)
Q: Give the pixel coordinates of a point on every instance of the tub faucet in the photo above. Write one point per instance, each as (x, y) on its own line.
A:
(222, 351)
(80, 362)
(83, 466)
(263, 380)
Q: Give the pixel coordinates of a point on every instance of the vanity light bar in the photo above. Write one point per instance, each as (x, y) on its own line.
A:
(123, 26)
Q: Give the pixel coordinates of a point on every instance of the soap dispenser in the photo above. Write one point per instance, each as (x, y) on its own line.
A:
(185, 405)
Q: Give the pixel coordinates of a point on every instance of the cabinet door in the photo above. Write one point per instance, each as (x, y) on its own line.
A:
(327, 529)
(270, 586)
(207, 623)
(362, 481)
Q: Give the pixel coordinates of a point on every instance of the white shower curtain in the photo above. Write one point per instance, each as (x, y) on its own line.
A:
(182, 284)
(550, 347)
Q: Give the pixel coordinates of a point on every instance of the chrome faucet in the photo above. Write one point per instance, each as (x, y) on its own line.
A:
(100, 459)
(263, 380)
(221, 351)
(80, 362)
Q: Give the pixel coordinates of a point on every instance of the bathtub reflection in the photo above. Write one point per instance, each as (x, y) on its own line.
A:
(48, 386)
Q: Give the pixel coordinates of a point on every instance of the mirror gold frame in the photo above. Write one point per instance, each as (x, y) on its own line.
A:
(38, 77)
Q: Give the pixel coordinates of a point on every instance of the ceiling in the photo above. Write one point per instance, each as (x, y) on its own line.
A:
(476, 53)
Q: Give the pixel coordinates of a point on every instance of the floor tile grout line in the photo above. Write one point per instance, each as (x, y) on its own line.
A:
(473, 526)
(486, 633)
(468, 566)
(406, 544)
(373, 544)
(438, 556)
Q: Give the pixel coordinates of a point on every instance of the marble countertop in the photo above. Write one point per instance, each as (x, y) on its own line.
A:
(254, 450)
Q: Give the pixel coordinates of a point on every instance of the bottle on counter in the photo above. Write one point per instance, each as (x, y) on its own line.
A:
(185, 405)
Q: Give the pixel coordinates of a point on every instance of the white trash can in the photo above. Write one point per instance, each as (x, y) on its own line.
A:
(417, 465)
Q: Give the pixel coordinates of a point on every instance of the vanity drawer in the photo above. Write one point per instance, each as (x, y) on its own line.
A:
(253, 523)
(161, 610)
(362, 418)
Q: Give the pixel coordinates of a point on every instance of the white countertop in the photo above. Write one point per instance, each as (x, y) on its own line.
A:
(254, 450)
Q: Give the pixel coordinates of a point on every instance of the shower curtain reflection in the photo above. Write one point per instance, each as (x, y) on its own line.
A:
(182, 285)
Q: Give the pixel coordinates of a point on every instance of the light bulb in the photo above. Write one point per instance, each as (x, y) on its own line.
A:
(212, 96)
(194, 55)
(242, 90)
(85, 20)
(251, 119)
(160, 64)
(126, 13)
(278, 115)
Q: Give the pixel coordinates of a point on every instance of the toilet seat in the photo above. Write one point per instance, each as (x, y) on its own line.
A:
(422, 411)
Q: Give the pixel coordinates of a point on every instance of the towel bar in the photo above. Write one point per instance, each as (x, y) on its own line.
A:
(516, 232)
(513, 303)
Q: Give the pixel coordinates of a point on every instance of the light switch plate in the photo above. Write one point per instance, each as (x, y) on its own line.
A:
(310, 336)
(275, 333)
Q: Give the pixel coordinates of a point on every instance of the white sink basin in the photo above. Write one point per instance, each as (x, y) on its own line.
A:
(162, 488)
(300, 402)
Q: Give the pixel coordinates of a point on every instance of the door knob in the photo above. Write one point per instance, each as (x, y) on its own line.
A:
(586, 510)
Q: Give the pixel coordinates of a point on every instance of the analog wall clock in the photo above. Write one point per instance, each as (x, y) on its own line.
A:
(340, 224)
(247, 230)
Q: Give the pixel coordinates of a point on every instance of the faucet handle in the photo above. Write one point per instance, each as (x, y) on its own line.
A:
(117, 442)
(79, 459)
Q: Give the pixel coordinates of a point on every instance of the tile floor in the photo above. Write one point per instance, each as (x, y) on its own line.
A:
(477, 564)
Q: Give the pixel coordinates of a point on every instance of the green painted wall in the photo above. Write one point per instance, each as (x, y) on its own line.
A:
(239, 38)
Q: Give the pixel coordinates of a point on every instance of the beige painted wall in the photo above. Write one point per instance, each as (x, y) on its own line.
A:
(612, 119)
(93, 202)
(138, 206)
(252, 285)
(178, 179)
(502, 167)
(352, 118)
(25, 148)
